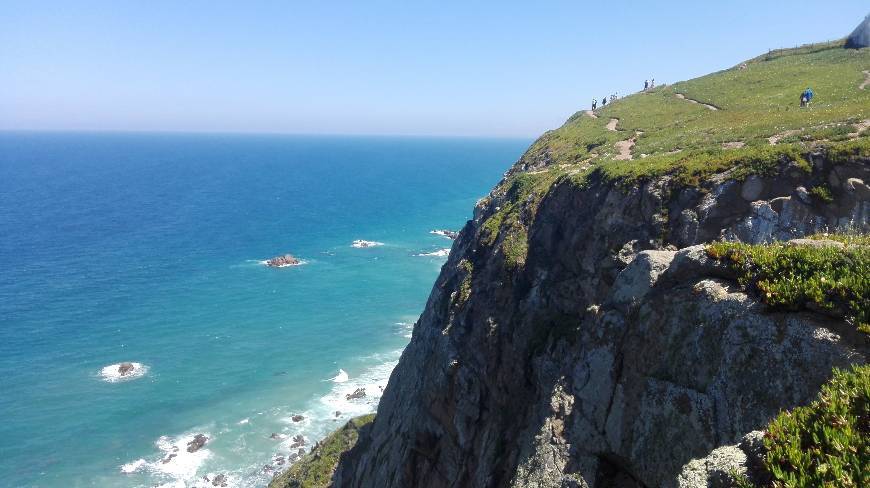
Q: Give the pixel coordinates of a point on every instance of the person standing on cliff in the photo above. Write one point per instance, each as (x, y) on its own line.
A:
(645, 85)
(604, 101)
(594, 103)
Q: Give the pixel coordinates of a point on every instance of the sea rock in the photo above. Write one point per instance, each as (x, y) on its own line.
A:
(298, 441)
(126, 368)
(196, 444)
(450, 234)
(297, 418)
(282, 261)
(168, 458)
(359, 243)
(276, 436)
(219, 480)
(358, 393)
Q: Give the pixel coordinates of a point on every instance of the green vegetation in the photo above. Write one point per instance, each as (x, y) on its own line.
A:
(693, 167)
(524, 193)
(825, 444)
(789, 277)
(315, 470)
(465, 286)
(842, 153)
(854, 239)
(755, 103)
(822, 193)
(757, 127)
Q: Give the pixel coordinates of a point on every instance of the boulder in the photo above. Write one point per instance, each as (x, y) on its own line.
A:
(196, 444)
(219, 480)
(358, 393)
(282, 261)
(297, 418)
(126, 368)
(298, 441)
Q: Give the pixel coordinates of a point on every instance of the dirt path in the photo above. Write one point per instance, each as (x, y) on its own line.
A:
(624, 147)
(612, 124)
(860, 127)
(591, 114)
(709, 107)
(733, 145)
(866, 80)
(775, 139)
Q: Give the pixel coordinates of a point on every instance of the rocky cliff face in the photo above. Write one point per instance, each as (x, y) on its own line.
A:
(614, 351)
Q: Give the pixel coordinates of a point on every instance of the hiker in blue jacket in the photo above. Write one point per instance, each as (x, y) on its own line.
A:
(806, 97)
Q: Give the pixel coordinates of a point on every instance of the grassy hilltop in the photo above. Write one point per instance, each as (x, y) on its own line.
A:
(744, 120)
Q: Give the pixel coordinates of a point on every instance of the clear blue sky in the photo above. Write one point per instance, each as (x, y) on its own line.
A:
(369, 67)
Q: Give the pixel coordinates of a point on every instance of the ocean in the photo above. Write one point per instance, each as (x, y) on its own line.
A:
(149, 248)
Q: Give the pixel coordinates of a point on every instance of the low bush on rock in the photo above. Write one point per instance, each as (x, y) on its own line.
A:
(832, 279)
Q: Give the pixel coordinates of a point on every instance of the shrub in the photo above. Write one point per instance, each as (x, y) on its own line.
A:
(789, 277)
(825, 444)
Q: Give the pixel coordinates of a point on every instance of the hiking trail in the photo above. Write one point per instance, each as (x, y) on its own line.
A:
(612, 124)
(709, 107)
(590, 113)
(624, 147)
(866, 80)
(773, 140)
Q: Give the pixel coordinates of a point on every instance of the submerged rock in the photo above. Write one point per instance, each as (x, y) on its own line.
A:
(297, 418)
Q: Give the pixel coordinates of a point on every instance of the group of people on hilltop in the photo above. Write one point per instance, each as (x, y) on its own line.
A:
(647, 85)
(611, 98)
(806, 96)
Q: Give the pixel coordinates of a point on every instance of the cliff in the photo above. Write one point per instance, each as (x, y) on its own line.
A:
(582, 334)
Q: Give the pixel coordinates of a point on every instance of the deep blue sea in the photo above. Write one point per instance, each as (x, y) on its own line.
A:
(148, 248)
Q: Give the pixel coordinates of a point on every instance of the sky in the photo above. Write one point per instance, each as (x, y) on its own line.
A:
(495, 69)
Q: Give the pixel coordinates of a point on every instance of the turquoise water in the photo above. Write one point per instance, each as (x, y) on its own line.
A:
(148, 248)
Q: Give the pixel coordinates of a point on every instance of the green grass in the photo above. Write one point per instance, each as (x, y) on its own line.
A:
(693, 167)
(316, 468)
(790, 277)
(756, 103)
(825, 444)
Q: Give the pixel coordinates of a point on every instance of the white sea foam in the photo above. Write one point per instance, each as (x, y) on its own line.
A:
(373, 380)
(265, 262)
(133, 466)
(341, 377)
(406, 328)
(443, 233)
(359, 244)
(174, 462)
(441, 253)
(112, 372)
(243, 421)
